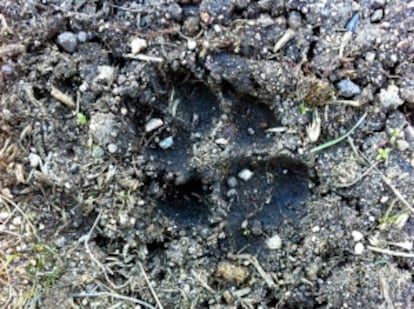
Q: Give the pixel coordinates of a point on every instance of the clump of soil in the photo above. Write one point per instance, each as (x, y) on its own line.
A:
(164, 154)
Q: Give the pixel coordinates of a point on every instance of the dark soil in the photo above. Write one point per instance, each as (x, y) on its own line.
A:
(164, 154)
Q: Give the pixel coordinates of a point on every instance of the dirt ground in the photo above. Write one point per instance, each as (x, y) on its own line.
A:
(206, 154)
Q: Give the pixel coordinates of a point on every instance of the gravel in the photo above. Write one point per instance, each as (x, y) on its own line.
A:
(68, 41)
(389, 97)
(347, 88)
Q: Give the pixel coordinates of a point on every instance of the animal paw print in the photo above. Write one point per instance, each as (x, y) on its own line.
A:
(214, 161)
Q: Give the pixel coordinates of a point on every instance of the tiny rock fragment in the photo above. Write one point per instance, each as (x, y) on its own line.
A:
(232, 182)
(153, 124)
(389, 97)
(357, 235)
(232, 273)
(377, 15)
(166, 142)
(138, 45)
(245, 174)
(112, 148)
(347, 88)
(106, 73)
(402, 145)
(221, 141)
(35, 160)
(274, 242)
(68, 41)
(294, 20)
(359, 248)
(175, 12)
(82, 36)
(191, 44)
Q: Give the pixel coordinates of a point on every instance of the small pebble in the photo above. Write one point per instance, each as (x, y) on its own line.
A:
(82, 36)
(347, 88)
(389, 97)
(74, 168)
(232, 182)
(409, 133)
(98, 152)
(357, 235)
(105, 73)
(377, 15)
(241, 4)
(316, 229)
(221, 141)
(359, 248)
(60, 242)
(68, 41)
(370, 57)
(175, 12)
(112, 148)
(7, 69)
(231, 193)
(35, 160)
(166, 142)
(245, 174)
(191, 44)
(274, 242)
(402, 145)
(138, 45)
(153, 124)
(294, 20)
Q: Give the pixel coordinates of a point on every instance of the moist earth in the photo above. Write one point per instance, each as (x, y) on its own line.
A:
(207, 154)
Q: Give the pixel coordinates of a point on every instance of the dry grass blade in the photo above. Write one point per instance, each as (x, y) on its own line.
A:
(339, 139)
(10, 202)
(157, 300)
(114, 295)
(391, 252)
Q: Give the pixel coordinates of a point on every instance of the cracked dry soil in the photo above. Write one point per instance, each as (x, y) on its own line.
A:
(161, 154)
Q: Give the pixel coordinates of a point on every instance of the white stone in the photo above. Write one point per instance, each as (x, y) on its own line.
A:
(274, 242)
(138, 45)
(359, 248)
(402, 145)
(35, 160)
(191, 44)
(153, 124)
(389, 98)
(166, 142)
(316, 229)
(106, 73)
(221, 141)
(357, 235)
(245, 174)
(112, 148)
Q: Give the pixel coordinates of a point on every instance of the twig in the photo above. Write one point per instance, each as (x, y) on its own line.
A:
(22, 213)
(202, 282)
(105, 270)
(384, 178)
(62, 97)
(346, 102)
(391, 252)
(114, 295)
(144, 58)
(286, 37)
(396, 192)
(253, 260)
(350, 184)
(339, 139)
(150, 286)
